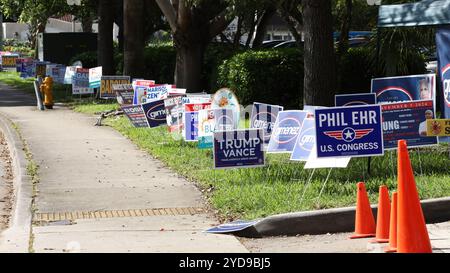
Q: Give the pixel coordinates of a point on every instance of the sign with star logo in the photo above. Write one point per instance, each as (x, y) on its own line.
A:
(353, 131)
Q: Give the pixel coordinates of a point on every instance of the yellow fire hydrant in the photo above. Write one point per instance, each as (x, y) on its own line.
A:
(47, 92)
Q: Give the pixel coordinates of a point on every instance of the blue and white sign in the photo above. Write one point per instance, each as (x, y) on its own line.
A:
(264, 117)
(232, 227)
(306, 141)
(408, 121)
(355, 99)
(155, 112)
(239, 149)
(406, 88)
(349, 131)
(286, 130)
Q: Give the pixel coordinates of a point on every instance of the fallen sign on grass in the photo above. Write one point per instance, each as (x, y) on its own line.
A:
(235, 226)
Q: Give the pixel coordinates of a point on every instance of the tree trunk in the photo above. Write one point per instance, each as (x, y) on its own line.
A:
(238, 35)
(134, 42)
(319, 58)
(105, 37)
(345, 28)
(189, 66)
(86, 24)
(262, 26)
(251, 32)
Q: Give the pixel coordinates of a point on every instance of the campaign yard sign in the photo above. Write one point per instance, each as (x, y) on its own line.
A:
(239, 149)
(69, 73)
(264, 117)
(286, 130)
(405, 88)
(408, 121)
(190, 119)
(95, 77)
(305, 142)
(155, 112)
(174, 114)
(106, 83)
(27, 69)
(144, 94)
(124, 93)
(210, 121)
(351, 131)
(438, 127)
(355, 99)
(80, 82)
(9, 62)
(136, 115)
(40, 69)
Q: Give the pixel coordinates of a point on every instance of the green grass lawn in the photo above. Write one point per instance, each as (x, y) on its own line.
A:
(278, 187)
(61, 92)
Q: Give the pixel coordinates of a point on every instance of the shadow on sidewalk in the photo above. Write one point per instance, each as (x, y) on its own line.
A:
(11, 97)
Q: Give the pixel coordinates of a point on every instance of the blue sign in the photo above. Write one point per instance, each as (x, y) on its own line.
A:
(232, 227)
(355, 99)
(191, 126)
(239, 149)
(305, 141)
(443, 52)
(351, 131)
(408, 121)
(155, 112)
(264, 117)
(286, 130)
(406, 88)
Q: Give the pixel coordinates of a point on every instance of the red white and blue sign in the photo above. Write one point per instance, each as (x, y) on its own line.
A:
(155, 112)
(443, 54)
(352, 131)
(355, 99)
(239, 149)
(305, 141)
(408, 121)
(264, 117)
(190, 119)
(286, 130)
(405, 88)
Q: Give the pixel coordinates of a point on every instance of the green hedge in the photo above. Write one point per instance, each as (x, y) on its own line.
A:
(268, 76)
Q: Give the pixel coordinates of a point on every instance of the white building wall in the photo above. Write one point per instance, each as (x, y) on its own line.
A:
(53, 26)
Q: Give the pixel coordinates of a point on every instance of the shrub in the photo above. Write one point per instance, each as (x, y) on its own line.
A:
(269, 76)
(88, 59)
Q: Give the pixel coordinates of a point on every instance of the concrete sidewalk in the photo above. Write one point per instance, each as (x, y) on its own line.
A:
(99, 193)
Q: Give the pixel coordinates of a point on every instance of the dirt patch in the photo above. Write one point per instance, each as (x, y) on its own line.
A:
(6, 184)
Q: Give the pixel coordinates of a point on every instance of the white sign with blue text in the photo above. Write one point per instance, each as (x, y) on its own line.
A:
(305, 141)
(352, 131)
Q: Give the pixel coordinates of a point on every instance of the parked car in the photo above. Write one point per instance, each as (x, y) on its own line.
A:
(271, 43)
(287, 44)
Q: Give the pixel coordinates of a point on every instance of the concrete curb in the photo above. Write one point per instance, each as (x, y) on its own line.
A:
(332, 220)
(16, 238)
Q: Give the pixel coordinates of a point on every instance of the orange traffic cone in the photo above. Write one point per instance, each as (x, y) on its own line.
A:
(382, 234)
(364, 220)
(412, 233)
(393, 226)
